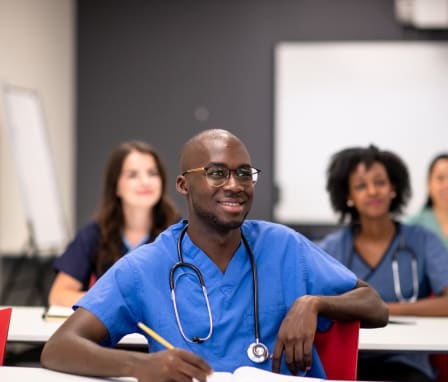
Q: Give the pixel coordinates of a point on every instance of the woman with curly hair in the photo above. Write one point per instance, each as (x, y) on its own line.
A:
(134, 209)
(405, 264)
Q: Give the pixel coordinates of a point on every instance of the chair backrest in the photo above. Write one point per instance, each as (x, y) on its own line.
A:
(440, 363)
(5, 318)
(92, 280)
(338, 349)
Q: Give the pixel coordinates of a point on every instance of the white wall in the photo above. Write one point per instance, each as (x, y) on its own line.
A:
(37, 45)
(334, 95)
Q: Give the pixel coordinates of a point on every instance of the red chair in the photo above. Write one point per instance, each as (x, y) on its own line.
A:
(92, 280)
(5, 318)
(338, 349)
(440, 363)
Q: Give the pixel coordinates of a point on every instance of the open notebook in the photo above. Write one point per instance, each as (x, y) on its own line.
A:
(57, 312)
(252, 374)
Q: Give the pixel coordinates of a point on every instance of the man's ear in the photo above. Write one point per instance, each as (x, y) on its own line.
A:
(181, 185)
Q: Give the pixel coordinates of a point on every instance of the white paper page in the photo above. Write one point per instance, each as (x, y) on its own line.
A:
(57, 311)
(252, 374)
(220, 376)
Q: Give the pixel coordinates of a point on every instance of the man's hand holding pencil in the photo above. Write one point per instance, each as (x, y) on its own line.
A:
(180, 365)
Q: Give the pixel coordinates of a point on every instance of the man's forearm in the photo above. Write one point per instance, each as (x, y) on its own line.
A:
(362, 303)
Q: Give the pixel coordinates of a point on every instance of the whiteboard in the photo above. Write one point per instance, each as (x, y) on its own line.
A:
(26, 130)
(329, 96)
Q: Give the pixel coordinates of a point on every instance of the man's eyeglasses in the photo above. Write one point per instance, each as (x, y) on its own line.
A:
(217, 176)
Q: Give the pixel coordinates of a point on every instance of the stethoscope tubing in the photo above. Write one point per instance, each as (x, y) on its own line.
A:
(402, 247)
(181, 263)
(254, 349)
(396, 272)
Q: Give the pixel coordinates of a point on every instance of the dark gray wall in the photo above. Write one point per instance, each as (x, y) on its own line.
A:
(145, 67)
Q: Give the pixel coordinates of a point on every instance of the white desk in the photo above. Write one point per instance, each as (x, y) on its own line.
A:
(411, 334)
(36, 374)
(414, 334)
(28, 326)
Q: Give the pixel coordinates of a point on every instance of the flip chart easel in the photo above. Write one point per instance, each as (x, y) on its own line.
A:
(25, 127)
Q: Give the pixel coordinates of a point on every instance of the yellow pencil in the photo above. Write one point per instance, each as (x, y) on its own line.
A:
(154, 335)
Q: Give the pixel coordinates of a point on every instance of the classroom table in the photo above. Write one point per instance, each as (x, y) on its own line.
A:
(37, 374)
(401, 334)
(429, 334)
(28, 326)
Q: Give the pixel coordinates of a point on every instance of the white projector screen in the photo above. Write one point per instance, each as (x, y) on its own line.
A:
(329, 96)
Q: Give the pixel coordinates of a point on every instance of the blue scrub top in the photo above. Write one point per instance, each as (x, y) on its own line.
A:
(137, 288)
(426, 247)
(426, 218)
(432, 265)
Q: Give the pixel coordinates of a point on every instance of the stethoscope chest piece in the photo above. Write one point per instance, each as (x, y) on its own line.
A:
(257, 352)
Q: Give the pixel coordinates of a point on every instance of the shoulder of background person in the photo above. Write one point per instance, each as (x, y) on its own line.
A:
(420, 217)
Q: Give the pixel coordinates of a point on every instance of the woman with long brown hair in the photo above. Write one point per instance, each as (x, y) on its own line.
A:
(134, 209)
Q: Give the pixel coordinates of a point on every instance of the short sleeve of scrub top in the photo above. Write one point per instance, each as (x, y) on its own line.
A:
(78, 260)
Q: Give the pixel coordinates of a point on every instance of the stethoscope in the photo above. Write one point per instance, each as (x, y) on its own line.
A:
(257, 351)
(396, 272)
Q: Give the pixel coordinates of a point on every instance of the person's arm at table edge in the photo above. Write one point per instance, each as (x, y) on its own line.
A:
(74, 349)
(65, 291)
(434, 306)
(361, 303)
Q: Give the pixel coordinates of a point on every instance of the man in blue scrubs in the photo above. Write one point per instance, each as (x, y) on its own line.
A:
(228, 266)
